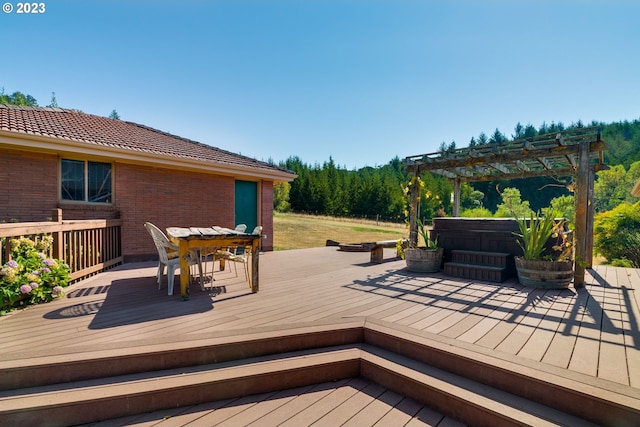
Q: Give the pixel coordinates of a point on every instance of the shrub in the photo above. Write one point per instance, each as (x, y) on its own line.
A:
(617, 234)
(476, 213)
(31, 277)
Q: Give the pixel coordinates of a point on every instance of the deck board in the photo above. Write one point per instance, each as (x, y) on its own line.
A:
(592, 331)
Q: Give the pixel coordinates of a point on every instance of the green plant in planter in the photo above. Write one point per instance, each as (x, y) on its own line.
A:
(425, 259)
(535, 233)
(542, 266)
(424, 233)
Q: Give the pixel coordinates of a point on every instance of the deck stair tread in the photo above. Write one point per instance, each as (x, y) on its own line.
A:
(420, 368)
(483, 267)
(464, 251)
(112, 397)
(448, 389)
(479, 265)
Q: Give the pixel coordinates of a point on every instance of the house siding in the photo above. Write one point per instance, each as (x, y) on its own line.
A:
(28, 185)
(166, 197)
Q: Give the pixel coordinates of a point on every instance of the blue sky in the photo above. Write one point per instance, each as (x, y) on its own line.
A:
(360, 81)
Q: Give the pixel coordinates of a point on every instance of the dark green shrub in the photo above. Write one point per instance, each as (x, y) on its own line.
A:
(617, 234)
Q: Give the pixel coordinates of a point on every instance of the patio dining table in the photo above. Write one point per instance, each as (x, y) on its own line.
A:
(195, 238)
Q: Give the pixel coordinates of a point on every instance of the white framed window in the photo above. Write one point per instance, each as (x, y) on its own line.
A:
(86, 181)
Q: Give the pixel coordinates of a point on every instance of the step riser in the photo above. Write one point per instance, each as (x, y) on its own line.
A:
(477, 265)
(98, 409)
(479, 258)
(475, 272)
(454, 406)
(40, 373)
(563, 394)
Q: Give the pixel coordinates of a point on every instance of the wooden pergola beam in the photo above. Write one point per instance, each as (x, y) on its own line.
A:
(559, 154)
(509, 157)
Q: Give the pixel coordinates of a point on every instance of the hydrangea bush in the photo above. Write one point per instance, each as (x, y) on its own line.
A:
(31, 277)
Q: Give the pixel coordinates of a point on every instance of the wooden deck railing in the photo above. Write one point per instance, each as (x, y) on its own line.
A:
(87, 246)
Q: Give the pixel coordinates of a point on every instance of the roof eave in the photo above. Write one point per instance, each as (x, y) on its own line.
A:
(65, 146)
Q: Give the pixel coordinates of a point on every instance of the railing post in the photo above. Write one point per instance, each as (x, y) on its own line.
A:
(58, 238)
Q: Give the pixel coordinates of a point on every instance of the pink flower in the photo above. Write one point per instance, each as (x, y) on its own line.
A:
(33, 285)
(56, 291)
(25, 289)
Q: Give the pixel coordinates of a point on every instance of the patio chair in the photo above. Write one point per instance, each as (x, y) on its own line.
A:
(215, 254)
(168, 254)
(239, 255)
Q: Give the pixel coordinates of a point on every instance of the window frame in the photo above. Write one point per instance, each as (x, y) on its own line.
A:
(85, 163)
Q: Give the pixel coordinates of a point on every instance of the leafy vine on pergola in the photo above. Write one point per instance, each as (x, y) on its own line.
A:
(577, 152)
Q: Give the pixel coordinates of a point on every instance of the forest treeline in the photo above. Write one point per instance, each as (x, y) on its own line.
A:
(380, 192)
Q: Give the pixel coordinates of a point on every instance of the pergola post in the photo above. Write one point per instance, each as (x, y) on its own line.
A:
(456, 197)
(414, 209)
(582, 209)
(588, 259)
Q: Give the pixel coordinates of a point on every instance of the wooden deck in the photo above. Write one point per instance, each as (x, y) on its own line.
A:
(593, 331)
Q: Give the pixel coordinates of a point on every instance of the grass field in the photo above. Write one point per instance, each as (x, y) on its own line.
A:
(296, 231)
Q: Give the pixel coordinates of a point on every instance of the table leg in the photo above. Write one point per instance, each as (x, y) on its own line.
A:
(255, 257)
(184, 269)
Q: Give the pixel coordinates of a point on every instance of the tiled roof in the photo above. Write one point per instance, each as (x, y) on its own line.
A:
(99, 131)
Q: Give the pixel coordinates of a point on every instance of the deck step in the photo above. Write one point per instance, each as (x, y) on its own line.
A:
(109, 398)
(475, 388)
(451, 394)
(494, 259)
(478, 265)
(112, 397)
(476, 272)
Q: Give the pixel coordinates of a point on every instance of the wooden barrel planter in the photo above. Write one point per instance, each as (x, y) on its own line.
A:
(422, 260)
(544, 274)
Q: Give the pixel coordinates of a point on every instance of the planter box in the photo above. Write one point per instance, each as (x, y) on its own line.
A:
(423, 260)
(544, 274)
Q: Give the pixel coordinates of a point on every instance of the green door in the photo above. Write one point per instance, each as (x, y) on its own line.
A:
(246, 205)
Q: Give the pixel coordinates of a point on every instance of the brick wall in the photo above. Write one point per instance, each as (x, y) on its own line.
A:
(28, 186)
(29, 192)
(168, 198)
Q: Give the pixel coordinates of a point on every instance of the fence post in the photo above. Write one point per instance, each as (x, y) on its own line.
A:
(58, 239)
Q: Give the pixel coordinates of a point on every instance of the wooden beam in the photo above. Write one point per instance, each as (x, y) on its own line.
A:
(590, 213)
(582, 202)
(508, 157)
(544, 162)
(414, 209)
(520, 175)
(500, 168)
(522, 166)
(456, 197)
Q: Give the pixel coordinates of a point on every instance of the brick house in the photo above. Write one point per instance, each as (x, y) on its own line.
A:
(96, 167)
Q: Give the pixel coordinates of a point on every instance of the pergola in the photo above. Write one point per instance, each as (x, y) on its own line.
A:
(577, 152)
